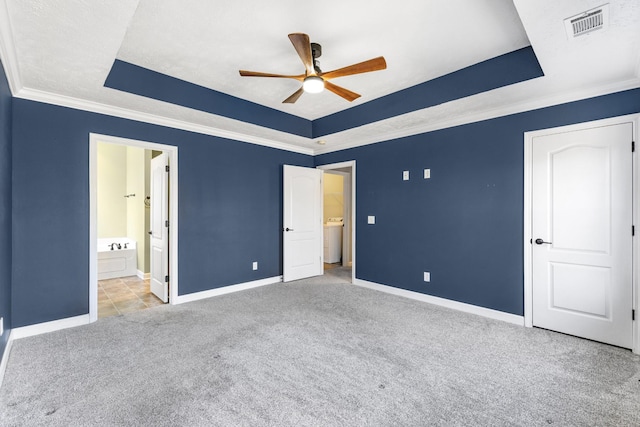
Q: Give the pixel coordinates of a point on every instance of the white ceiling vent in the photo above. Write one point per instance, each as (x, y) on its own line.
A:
(586, 22)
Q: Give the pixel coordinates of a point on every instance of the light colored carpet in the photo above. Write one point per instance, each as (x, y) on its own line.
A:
(317, 352)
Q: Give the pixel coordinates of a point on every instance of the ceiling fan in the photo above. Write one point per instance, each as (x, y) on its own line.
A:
(315, 80)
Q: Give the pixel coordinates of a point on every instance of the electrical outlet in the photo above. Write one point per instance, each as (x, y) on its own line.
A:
(371, 219)
(405, 175)
(427, 173)
(255, 265)
(427, 276)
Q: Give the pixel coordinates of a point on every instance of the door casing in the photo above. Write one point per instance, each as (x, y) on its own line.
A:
(528, 185)
(172, 152)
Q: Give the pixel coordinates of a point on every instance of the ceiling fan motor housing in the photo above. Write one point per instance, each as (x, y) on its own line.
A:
(316, 52)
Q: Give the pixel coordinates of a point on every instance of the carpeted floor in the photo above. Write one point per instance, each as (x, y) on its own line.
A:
(317, 352)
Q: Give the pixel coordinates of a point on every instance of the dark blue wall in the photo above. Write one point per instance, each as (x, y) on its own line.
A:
(465, 224)
(503, 70)
(230, 207)
(5, 207)
(141, 81)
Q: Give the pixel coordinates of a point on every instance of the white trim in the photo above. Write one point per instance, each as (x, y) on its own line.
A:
(455, 305)
(426, 125)
(349, 164)
(636, 254)
(125, 113)
(526, 241)
(143, 276)
(5, 357)
(46, 327)
(8, 51)
(528, 182)
(93, 229)
(226, 290)
(430, 125)
(172, 152)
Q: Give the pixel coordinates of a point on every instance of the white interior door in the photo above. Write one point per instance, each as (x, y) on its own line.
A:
(582, 233)
(302, 223)
(159, 257)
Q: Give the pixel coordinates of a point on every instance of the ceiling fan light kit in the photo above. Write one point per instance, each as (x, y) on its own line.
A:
(314, 80)
(313, 84)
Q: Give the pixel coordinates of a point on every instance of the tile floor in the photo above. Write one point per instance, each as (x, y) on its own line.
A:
(124, 295)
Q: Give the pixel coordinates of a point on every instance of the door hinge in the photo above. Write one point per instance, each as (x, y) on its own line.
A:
(166, 278)
(166, 223)
(166, 168)
(633, 146)
(633, 315)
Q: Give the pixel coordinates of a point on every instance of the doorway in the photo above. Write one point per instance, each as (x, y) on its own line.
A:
(579, 231)
(340, 204)
(169, 181)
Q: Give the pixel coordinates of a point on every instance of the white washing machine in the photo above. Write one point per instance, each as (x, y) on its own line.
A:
(333, 240)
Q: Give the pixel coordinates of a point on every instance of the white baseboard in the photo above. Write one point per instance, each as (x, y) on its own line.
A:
(226, 290)
(467, 308)
(55, 325)
(5, 357)
(142, 275)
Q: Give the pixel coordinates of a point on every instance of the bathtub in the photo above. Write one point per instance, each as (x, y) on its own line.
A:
(117, 262)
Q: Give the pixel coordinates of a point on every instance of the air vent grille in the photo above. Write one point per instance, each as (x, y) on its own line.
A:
(592, 21)
(586, 22)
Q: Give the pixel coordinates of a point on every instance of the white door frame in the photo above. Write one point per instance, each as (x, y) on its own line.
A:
(349, 164)
(528, 185)
(172, 152)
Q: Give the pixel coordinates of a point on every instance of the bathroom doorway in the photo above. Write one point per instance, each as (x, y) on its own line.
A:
(130, 254)
(339, 219)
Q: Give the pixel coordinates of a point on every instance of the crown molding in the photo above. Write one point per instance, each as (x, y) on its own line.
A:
(427, 126)
(125, 113)
(430, 126)
(8, 54)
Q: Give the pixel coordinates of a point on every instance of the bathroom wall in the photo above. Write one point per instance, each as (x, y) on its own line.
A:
(333, 196)
(122, 171)
(137, 176)
(112, 187)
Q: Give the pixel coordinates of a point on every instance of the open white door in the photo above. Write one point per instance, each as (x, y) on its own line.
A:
(582, 233)
(302, 223)
(159, 258)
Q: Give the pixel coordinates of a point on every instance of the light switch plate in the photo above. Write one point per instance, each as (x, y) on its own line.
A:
(1, 326)
(371, 219)
(427, 276)
(255, 265)
(427, 173)
(405, 175)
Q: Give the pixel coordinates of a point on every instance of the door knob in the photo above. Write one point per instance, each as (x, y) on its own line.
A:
(540, 242)
(288, 229)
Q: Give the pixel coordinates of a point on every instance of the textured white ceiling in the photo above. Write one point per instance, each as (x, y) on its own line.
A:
(61, 51)
(208, 42)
